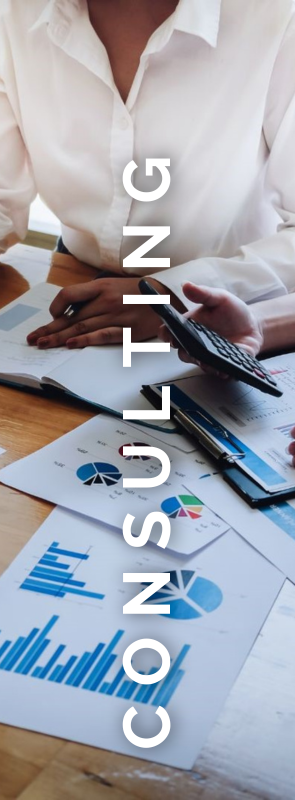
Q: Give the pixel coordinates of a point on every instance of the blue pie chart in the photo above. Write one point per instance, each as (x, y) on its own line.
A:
(190, 596)
(99, 473)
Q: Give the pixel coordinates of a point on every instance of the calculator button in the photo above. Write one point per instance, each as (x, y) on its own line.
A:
(196, 326)
(259, 374)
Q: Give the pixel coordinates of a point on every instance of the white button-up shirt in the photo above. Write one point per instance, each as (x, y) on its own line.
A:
(214, 92)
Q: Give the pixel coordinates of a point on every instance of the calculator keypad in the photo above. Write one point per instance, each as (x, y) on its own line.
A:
(232, 353)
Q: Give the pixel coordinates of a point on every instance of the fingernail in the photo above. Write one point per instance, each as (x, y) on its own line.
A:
(71, 343)
(43, 342)
(32, 338)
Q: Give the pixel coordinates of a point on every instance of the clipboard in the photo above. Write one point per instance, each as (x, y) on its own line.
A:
(231, 469)
(230, 465)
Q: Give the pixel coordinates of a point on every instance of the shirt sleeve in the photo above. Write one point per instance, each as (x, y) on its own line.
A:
(17, 186)
(264, 268)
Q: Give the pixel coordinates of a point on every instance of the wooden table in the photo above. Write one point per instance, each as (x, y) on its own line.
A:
(250, 752)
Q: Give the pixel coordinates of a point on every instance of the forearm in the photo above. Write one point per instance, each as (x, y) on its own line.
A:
(276, 319)
(260, 270)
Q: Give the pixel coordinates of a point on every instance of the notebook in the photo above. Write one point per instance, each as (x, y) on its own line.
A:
(94, 374)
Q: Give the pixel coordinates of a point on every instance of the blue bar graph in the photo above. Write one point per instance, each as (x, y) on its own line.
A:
(80, 672)
(97, 669)
(49, 572)
(145, 692)
(171, 679)
(17, 650)
(127, 689)
(109, 688)
(60, 672)
(101, 671)
(4, 647)
(25, 664)
(41, 672)
(88, 670)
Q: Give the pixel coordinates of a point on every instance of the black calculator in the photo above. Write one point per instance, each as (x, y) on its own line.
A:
(209, 348)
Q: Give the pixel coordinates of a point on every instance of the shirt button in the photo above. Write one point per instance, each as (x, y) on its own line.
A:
(124, 124)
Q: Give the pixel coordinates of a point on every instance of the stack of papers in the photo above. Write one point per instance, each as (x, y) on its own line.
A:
(84, 471)
(61, 667)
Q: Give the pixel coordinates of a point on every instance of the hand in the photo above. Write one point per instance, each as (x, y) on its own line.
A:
(223, 313)
(102, 318)
(291, 447)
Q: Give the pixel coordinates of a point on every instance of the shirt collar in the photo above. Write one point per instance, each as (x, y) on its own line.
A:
(61, 11)
(197, 17)
(200, 18)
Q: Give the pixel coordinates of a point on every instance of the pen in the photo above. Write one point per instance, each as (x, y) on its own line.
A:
(73, 308)
(206, 439)
(219, 429)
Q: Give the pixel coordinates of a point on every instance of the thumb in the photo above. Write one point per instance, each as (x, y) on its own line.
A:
(203, 295)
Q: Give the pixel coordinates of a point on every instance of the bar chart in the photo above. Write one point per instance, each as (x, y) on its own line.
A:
(51, 574)
(89, 670)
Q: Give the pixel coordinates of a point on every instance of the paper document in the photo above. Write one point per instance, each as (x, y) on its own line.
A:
(243, 420)
(271, 530)
(83, 471)
(20, 363)
(22, 256)
(63, 636)
(98, 375)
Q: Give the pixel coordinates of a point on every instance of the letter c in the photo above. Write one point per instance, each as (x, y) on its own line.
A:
(140, 741)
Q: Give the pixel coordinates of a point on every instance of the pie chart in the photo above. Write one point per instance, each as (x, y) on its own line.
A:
(189, 595)
(185, 505)
(98, 473)
(132, 458)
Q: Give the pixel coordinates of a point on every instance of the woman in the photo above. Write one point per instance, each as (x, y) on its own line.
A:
(87, 86)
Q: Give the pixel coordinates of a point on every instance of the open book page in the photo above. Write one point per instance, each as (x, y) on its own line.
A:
(98, 376)
(95, 374)
(20, 363)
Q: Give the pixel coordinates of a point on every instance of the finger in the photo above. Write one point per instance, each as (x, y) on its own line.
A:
(184, 356)
(291, 449)
(203, 295)
(247, 348)
(80, 293)
(47, 330)
(61, 323)
(101, 337)
(166, 336)
(80, 328)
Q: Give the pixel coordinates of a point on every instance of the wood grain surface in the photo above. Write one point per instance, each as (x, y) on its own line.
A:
(250, 751)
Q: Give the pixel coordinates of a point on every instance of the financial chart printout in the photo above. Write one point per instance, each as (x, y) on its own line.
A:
(63, 635)
(84, 471)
